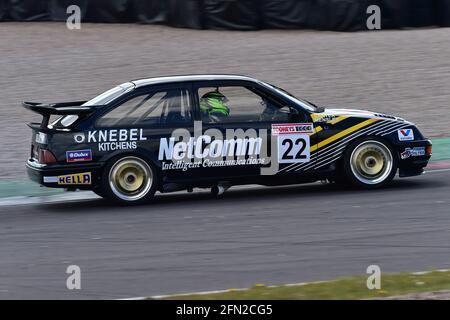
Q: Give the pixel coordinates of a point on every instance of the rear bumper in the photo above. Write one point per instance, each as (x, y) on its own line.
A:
(411, 159)
(52, 176)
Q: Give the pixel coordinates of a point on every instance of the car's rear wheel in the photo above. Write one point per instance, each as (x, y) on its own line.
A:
(370, 163)
(129, 180)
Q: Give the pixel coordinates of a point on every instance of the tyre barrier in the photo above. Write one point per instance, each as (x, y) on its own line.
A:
(337, 15)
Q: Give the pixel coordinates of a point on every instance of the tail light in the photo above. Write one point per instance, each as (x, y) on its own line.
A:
(46, 157)
(429, 150)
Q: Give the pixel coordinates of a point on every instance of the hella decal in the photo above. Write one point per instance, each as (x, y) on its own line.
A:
(75, 179)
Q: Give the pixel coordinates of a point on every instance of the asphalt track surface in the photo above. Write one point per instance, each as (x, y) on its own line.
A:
(195, 242)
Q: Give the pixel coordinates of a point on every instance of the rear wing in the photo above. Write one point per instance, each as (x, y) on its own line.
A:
(64, 108)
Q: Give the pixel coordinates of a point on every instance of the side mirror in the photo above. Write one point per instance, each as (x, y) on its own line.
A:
(294, 114)
(320, 109)
(293, 111)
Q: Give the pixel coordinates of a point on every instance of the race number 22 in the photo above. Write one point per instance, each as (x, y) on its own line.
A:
(293, 148)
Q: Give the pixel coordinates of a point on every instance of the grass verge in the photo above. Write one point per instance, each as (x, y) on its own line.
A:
(344, 288)
(441, 149)
(24, 187)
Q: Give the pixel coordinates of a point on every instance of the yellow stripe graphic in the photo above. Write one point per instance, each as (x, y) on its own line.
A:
(336, 120)
(317, 130)
(343, 133)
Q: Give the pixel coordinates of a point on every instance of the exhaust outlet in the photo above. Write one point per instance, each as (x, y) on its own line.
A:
(220, 188)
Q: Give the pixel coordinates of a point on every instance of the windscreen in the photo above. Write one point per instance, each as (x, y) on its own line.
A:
(305, 104)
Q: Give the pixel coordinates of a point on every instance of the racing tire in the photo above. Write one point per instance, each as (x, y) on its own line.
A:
(128, 180)
(370, 163)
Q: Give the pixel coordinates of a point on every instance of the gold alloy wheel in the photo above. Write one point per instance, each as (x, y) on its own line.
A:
(371, 162)
(130, 178)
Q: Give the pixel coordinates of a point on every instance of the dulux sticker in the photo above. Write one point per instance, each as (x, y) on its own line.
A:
(79, 156)
(406, 135)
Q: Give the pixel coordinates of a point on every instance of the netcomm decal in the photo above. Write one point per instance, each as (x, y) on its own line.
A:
(205, 152)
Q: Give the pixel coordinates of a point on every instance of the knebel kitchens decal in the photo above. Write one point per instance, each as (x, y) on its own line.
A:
(113, 139)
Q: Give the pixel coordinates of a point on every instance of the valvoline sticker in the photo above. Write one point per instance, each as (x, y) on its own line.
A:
(406, 134)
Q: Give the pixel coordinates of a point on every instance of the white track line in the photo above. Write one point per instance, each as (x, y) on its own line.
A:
(86, 195)
(24, 200)
(437, 170)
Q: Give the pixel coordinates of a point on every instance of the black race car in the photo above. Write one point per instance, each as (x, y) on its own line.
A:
(214, 131)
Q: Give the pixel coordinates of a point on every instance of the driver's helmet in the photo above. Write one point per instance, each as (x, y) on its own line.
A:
(214, 104)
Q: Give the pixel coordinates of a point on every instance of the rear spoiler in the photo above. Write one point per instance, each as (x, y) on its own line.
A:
(64, 108)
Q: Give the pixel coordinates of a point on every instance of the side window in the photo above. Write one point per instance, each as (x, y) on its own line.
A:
(154, 108)
(238, 104)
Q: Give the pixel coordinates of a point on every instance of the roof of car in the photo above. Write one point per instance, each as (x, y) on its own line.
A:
(187, 78)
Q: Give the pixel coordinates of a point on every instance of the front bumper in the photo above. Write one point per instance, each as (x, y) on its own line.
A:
(51, 175)
(411, 160)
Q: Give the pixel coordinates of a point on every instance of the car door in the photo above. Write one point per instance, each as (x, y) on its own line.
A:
(293, 134)
(255, 118)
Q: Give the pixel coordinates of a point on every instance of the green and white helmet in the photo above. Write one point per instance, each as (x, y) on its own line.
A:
(214, 104)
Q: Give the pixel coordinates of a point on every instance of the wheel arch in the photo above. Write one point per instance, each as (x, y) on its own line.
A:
(382, 139)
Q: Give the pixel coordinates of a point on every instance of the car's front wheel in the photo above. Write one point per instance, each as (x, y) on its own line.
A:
(129, 180)
(370, 163)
